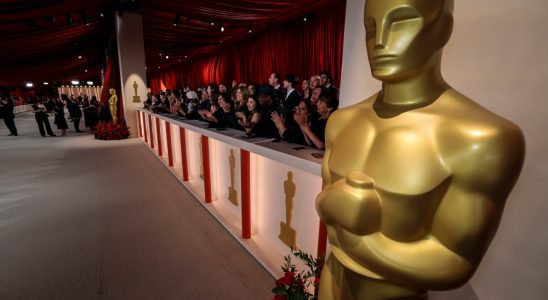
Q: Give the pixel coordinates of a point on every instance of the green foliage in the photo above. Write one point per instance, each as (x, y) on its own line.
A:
(295, 285)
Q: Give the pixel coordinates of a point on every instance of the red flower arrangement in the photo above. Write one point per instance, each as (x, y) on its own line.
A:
(112, 131)
(296, 285)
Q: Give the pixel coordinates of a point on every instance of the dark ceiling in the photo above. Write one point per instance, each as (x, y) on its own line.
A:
(48, 40)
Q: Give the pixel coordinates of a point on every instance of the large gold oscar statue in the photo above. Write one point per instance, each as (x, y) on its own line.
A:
(113, 105)
(416, 176)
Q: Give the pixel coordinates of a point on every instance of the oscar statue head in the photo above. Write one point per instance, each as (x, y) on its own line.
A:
(112, 92)
(406, 37)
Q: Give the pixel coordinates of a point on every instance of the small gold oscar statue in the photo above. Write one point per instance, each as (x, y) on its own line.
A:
(136, 98)
(113, 105)
(232, 193)
(288, 235)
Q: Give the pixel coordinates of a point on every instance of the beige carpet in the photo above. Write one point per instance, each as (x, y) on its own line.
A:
(88, 219)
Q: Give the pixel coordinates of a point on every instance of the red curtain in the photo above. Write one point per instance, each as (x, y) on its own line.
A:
(298, 47)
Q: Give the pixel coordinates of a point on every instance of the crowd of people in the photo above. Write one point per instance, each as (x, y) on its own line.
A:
(282, 109)
(90, 109)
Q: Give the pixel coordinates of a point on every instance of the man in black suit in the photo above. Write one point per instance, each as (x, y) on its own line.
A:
(75, 113)
(41, 116)
(7, 106)
(326, 79)
(292, 98)
(274, 81)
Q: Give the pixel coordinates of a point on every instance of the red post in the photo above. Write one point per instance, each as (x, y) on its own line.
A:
(145, 127)
(169, 146)
(158, 137)
(246, 192)
(182, 133)
(139, 124)
(150, 131)
(322, 239)
(207, 175)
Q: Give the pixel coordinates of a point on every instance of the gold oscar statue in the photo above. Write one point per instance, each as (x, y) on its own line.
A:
(201, 161)
(113, 102)
(417, 175)
(136, 98)
(232, 193)
(288, 235)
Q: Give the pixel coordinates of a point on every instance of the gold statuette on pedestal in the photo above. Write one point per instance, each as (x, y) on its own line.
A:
(288, 235)
(136, 98)
(416, 176)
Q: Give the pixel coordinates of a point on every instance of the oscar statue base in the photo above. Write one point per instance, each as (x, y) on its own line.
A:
(136, 99)
(233, 196)
(288, 235)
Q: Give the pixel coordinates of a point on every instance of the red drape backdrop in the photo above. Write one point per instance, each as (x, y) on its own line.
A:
(112, 81)
(298, 47)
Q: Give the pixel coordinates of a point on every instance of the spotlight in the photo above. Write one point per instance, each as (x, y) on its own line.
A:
(75, 82)
(29, 84)
(176, 20)
(89, 82)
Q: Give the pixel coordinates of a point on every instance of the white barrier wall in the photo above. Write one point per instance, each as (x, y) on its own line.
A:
(277, 179)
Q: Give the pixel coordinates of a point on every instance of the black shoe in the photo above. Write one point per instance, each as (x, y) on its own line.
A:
(16, 134)
(52, 135)
(43, 135)
(10, 134)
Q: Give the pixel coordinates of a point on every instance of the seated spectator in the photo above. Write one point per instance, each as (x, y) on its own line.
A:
(315, 81)
(248, 121)
(269, 104)
(307, 91)
(327, 81)
(221, 116)
(241, 95)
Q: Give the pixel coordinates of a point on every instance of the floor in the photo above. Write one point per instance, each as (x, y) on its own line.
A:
(88, 219)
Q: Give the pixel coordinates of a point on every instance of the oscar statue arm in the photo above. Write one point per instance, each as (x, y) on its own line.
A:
(464, 224)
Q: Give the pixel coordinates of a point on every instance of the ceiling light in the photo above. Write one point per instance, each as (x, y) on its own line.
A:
(79, 56)
(249, 29)
(29, 84)
(186, 56)
(305, 18)
(75, 82)
(102, 15)
(212, 24)
(89, 82)
(222, 28)
(158, 67)
(160, 54)
(46, 83)
(167, 57)
(86, 70)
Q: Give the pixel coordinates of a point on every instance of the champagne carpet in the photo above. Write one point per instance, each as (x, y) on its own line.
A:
(88, 219)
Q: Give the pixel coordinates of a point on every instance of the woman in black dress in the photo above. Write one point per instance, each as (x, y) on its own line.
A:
(60, 120)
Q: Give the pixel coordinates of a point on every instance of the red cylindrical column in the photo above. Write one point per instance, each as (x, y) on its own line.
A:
(150, 131)
(207, 175)
(139, 124)
(322, 239)
(184, 161)
(246, 192)
(158, 137)
(169, 146)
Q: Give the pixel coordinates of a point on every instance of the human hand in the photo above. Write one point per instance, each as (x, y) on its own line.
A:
(277, 119)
